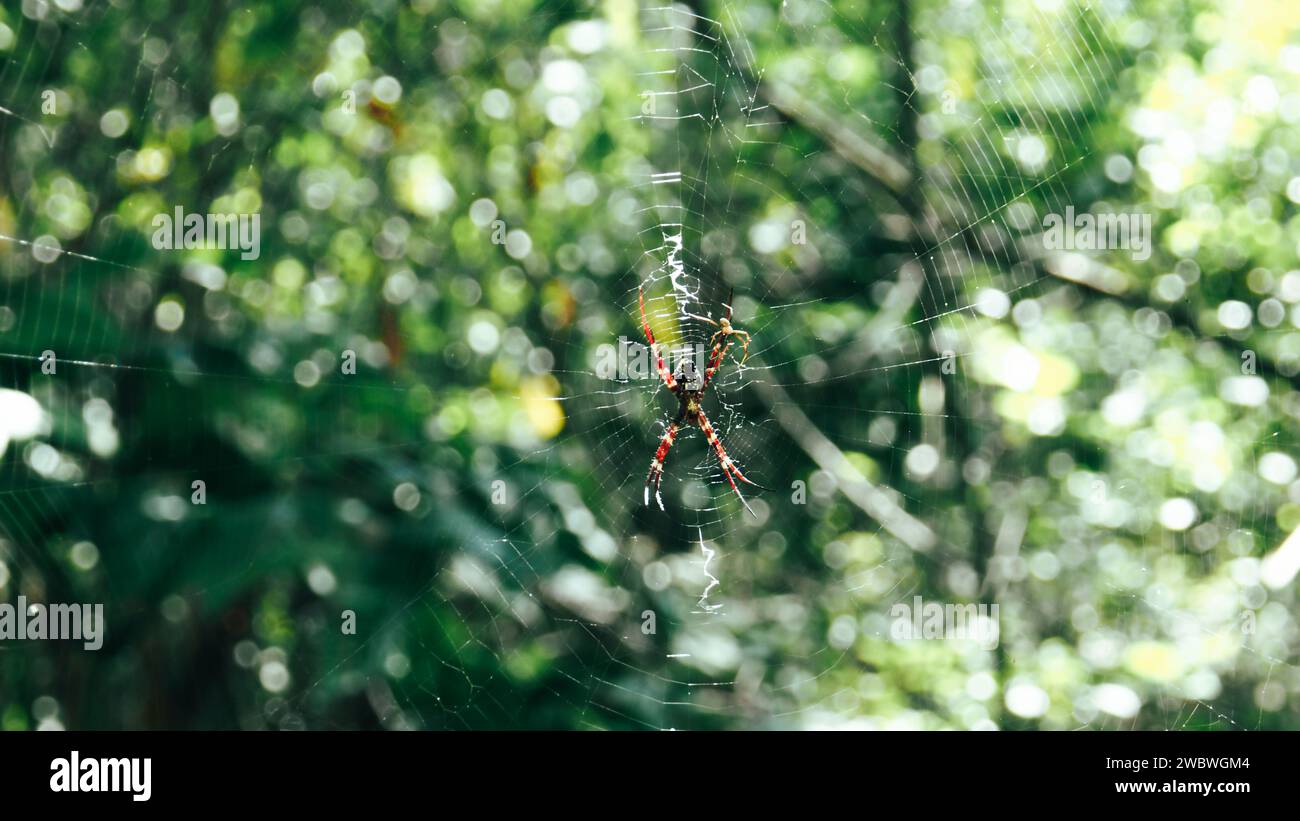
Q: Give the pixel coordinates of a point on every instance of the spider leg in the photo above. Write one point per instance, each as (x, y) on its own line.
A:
(664, 374)
(715, 356)
(657, 464)
(744, 342)
(728, 466)
(721, 342)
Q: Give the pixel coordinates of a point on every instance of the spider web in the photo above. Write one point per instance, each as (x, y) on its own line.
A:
(736, 149)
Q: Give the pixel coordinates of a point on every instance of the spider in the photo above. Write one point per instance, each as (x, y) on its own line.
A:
(690, 411)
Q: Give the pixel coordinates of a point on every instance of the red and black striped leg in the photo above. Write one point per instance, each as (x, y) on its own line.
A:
(715, 356)
(728, 466)
(664, 374)
(657, 464)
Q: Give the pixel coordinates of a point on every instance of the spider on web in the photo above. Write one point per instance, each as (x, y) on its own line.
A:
(689, 397)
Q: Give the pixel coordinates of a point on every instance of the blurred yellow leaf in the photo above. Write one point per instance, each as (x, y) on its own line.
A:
(541, 403)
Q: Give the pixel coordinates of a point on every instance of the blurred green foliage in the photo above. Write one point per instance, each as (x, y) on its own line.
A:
(1103, 447)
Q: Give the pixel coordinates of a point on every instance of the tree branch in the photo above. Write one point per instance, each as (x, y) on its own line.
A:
(859, 489)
